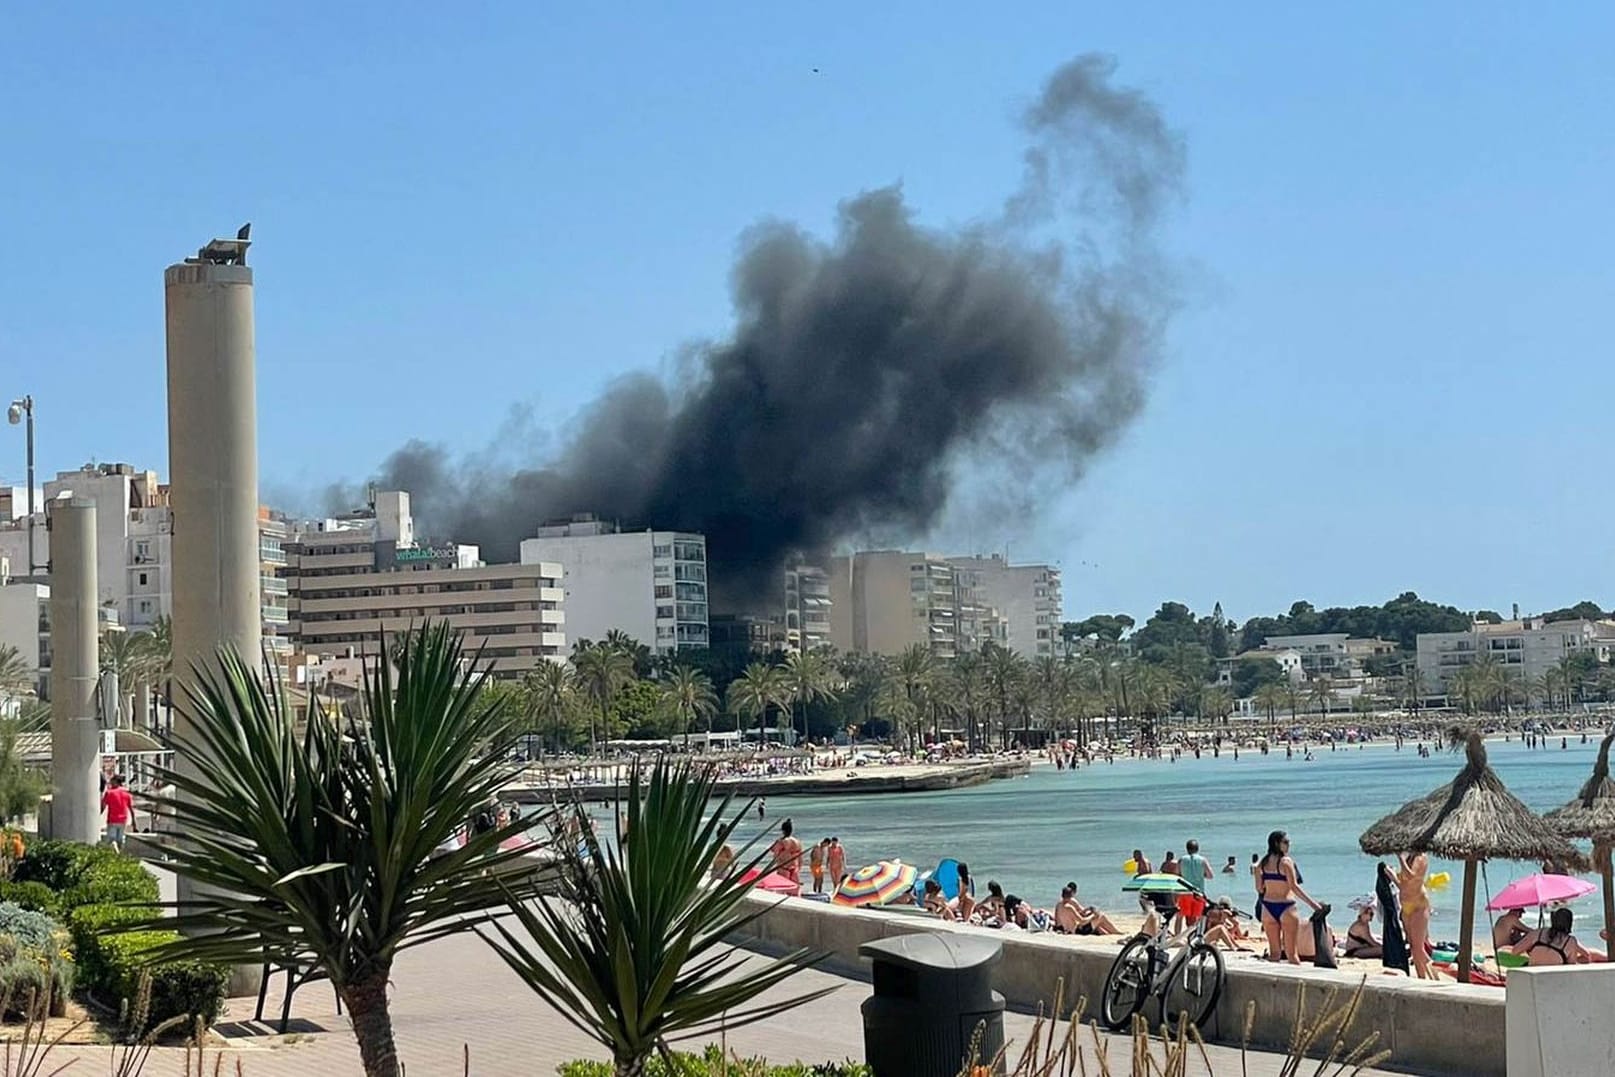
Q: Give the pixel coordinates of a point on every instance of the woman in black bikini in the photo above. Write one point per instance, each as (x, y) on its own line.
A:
(1277, 887)
(1360, 940)
(1556, 945)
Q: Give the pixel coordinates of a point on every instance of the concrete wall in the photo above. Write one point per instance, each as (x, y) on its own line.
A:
(1559, 1021)
(1445, 1028)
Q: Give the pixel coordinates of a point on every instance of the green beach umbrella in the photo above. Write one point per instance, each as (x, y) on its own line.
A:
(1158, 882)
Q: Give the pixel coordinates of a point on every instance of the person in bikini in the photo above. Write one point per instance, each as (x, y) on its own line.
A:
(1410, 869)
(1360, 940)
(1555, 945)
(1277, 887)
(1222, 925)
(936, 903)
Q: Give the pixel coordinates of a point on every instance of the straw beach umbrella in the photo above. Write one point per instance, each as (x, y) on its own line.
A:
(1471, 818)
(1592, 815)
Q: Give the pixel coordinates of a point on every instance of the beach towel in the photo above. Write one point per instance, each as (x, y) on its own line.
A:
(1323, 947)
(1393, 939)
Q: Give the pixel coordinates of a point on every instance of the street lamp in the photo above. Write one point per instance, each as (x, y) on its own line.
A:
(24, 406)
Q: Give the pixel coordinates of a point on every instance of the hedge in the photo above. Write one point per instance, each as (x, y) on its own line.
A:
(111, 965)
(97, 890)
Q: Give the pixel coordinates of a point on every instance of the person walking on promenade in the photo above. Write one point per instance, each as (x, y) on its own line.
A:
(120, 809)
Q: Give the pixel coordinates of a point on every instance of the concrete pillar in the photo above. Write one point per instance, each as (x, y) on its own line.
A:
(75, 733)
(213, 465)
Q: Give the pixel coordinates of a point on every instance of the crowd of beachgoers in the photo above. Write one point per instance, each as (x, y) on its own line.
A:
(1389, 929)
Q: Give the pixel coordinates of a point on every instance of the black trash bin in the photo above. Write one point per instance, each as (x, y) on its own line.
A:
(931, 991)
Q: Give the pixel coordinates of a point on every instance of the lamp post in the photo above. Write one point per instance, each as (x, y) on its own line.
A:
(24, 406)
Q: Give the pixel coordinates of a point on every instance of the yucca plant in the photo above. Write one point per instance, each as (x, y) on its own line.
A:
(635, 958)
(318, 847)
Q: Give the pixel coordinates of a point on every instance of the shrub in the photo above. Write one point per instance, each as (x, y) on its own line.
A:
(110, 964)
(712, 1063)
(31, 895)
(85, 874)
(33, 955)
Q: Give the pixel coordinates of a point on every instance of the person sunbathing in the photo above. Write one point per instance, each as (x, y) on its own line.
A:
(937, 904)
(1509, 930)
(1222, 925)
(1360, 940)
(1553, 945)
(1071, 917)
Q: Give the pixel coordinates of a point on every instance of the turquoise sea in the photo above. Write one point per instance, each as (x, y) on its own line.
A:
(1033, 834)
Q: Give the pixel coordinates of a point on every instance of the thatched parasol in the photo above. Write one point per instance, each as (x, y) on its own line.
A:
(1471, 818)
(1592, 815)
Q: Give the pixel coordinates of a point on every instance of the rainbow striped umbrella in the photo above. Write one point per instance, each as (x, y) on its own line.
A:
(875, 884)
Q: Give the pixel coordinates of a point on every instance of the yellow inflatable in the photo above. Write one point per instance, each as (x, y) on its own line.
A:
(1439, 881)
(1130, 867)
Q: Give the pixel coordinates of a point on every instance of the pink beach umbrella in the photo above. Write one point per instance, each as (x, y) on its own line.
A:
(1539, 890)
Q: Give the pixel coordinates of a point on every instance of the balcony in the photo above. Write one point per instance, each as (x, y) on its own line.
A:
(275, 615)
(272, 585)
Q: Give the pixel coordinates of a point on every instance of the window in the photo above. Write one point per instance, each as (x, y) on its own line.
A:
(664, 590)
(664, 613)
(661, 572)
(142, 579)
(145, 606)
(662, 551)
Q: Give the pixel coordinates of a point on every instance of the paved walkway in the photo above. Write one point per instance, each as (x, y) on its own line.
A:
(456, 993)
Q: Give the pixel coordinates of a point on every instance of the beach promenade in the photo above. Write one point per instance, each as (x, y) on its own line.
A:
(455, 992)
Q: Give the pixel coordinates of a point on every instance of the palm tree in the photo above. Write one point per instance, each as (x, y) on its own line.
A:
(637, 652)
(914, 678)
(318, 847)
(1410, 686)
(127, 656)
(1215, 702)
(1321, 692)
(1005, 669)
(160, 663)
(602, 672)
(16, 676)
(636, 958)
(550, 688)
(1270, 697)
(687, 697)
(1293, 694)
(810, 677)
(757, 690)
(21, 786)
(967, 683)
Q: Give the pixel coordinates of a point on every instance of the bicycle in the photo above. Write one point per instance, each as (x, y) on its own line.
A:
(1187, 981)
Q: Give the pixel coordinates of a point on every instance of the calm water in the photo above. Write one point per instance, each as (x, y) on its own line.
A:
(1034, 833)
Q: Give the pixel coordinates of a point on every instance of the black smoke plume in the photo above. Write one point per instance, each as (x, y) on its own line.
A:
(866, 374)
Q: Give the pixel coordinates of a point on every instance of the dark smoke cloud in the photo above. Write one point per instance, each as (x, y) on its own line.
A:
(865, 374)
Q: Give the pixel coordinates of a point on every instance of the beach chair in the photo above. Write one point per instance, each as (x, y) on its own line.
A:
(946, 874)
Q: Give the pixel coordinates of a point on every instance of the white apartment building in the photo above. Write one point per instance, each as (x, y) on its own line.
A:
(356, 579)
(1525, 649)
(1288, 660)
(1027, 597)
(651, 585)
(1335, 655)
(134, 555)
(25, 625)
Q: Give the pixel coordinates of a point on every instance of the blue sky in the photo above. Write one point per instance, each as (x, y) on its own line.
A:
(1391, 371)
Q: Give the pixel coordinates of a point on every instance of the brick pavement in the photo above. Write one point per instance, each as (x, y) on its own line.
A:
(456, 992)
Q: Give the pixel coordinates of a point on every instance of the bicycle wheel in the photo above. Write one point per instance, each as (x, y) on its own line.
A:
(1195, 986)
(1127, 985)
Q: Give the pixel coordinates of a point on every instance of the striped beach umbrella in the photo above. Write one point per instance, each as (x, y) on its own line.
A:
(875, 884)
(1159, 882)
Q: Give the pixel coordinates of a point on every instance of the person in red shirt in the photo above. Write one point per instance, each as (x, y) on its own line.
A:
(120, 809)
